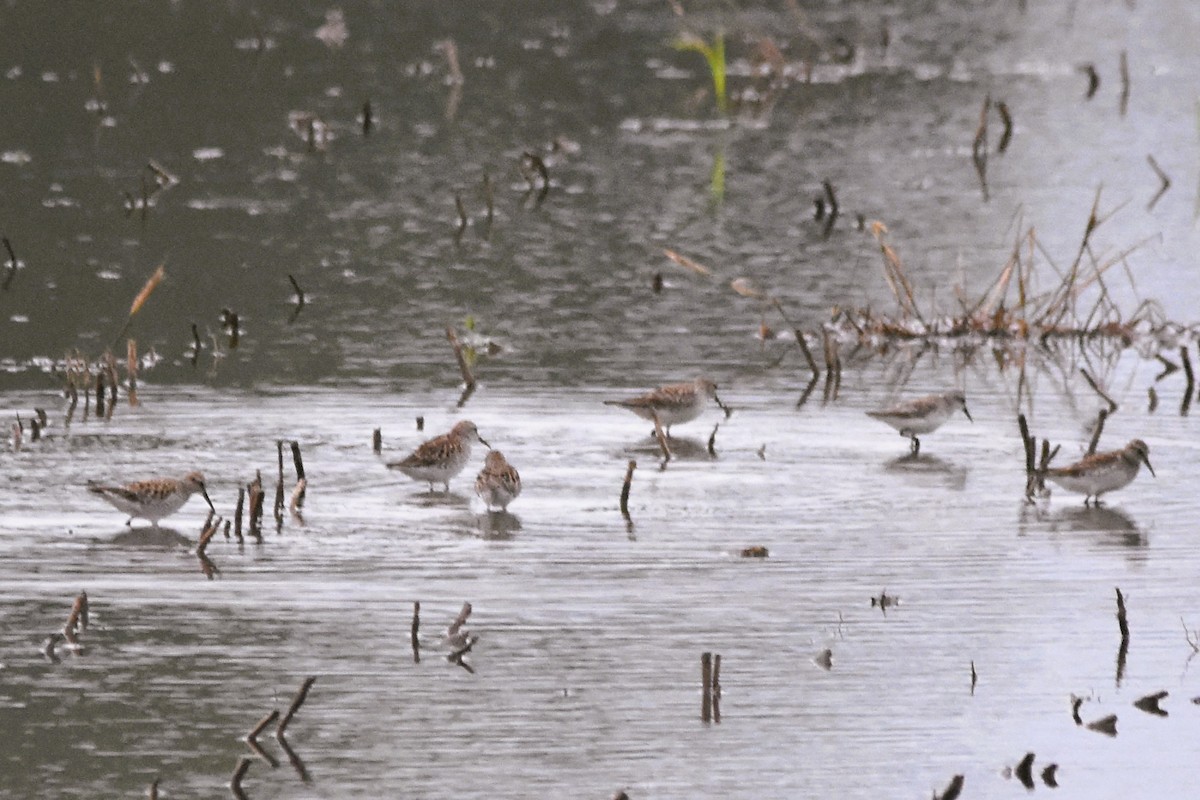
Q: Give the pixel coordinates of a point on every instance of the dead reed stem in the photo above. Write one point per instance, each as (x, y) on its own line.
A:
(1164, 181)
(239, 772)
(1006, 119)
(12, 264)
(368, 119)
(298, 701)
(625, 488)
(237, 518)
(1112, 405)
(464, 368)
(278, 505)
(131, 370)
(377, 441)
(262, 725)
(706, 687)
(1099, 429)
(1191, 380)
(1123, 68)
(416, 627)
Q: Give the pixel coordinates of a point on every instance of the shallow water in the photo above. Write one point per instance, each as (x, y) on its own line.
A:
(586, 676)
(590, 629)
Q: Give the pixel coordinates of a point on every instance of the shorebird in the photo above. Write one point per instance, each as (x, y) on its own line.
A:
(499, 483)
(441, 458)
(153, 499)
(1099, 473)
(922, 415)
(674, 404)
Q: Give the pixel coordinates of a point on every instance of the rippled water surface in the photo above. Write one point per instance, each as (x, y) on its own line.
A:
(585, 678)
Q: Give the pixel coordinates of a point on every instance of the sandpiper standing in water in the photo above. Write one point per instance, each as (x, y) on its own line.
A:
(153, 499)
(922, 415)
(441, 458)
(1098, 473)
(673, 404)
(498, 483)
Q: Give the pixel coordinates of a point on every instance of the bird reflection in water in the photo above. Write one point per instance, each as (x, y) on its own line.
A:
(929, 471)
(498, 525)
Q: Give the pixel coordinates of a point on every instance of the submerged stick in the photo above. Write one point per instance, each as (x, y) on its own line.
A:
(1093, 79)
(1099, 429)
(464, 368)
(1123, 67)
(278, 507)
(625, 488)
(1006, 118)
(1123, 625)
(12, 265)
(239, 772)
(1112, 405)
(262, 725)
(298, 701)
(297, 461)
(416, 626)
(1191, 380)
(237, 519)
(299, 298)
(1164, 181)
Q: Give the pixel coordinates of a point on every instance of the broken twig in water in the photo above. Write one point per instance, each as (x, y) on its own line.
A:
(12, 264)
(706, 687)
(625, 488)
(1006, 119)
(299, 298)
(1191, 380)
(953, 789)
(239, 772)
(464, 368)
(416, 627)
(1093, 79)
(298, 701)
(262, 725)
(1123, 624)
(1165, 182)
(1112, 405)
(1097, 431)
(1123, 68)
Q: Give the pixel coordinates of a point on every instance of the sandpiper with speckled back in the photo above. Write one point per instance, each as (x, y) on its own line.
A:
(153, 499)
(673, 404)
(498, 483)
(441, 458)
(1098, 473)
(922, 415)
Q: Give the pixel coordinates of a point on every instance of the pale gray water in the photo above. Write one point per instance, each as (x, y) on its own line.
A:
(587, 675)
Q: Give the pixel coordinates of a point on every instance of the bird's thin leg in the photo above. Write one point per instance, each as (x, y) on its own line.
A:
(129, 522)
(445, 487)
(915, 445)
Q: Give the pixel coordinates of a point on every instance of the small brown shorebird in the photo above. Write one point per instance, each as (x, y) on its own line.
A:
(498, 483)
(153, 499)
(1100, 473)
(441, 458)
(922, 415)
(673, 404)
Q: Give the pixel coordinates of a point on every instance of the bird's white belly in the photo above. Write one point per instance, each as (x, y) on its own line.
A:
(675, 415)
(152, 510)
(1097, 481)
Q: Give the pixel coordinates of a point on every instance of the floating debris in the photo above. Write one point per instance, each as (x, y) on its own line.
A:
(755, 551)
